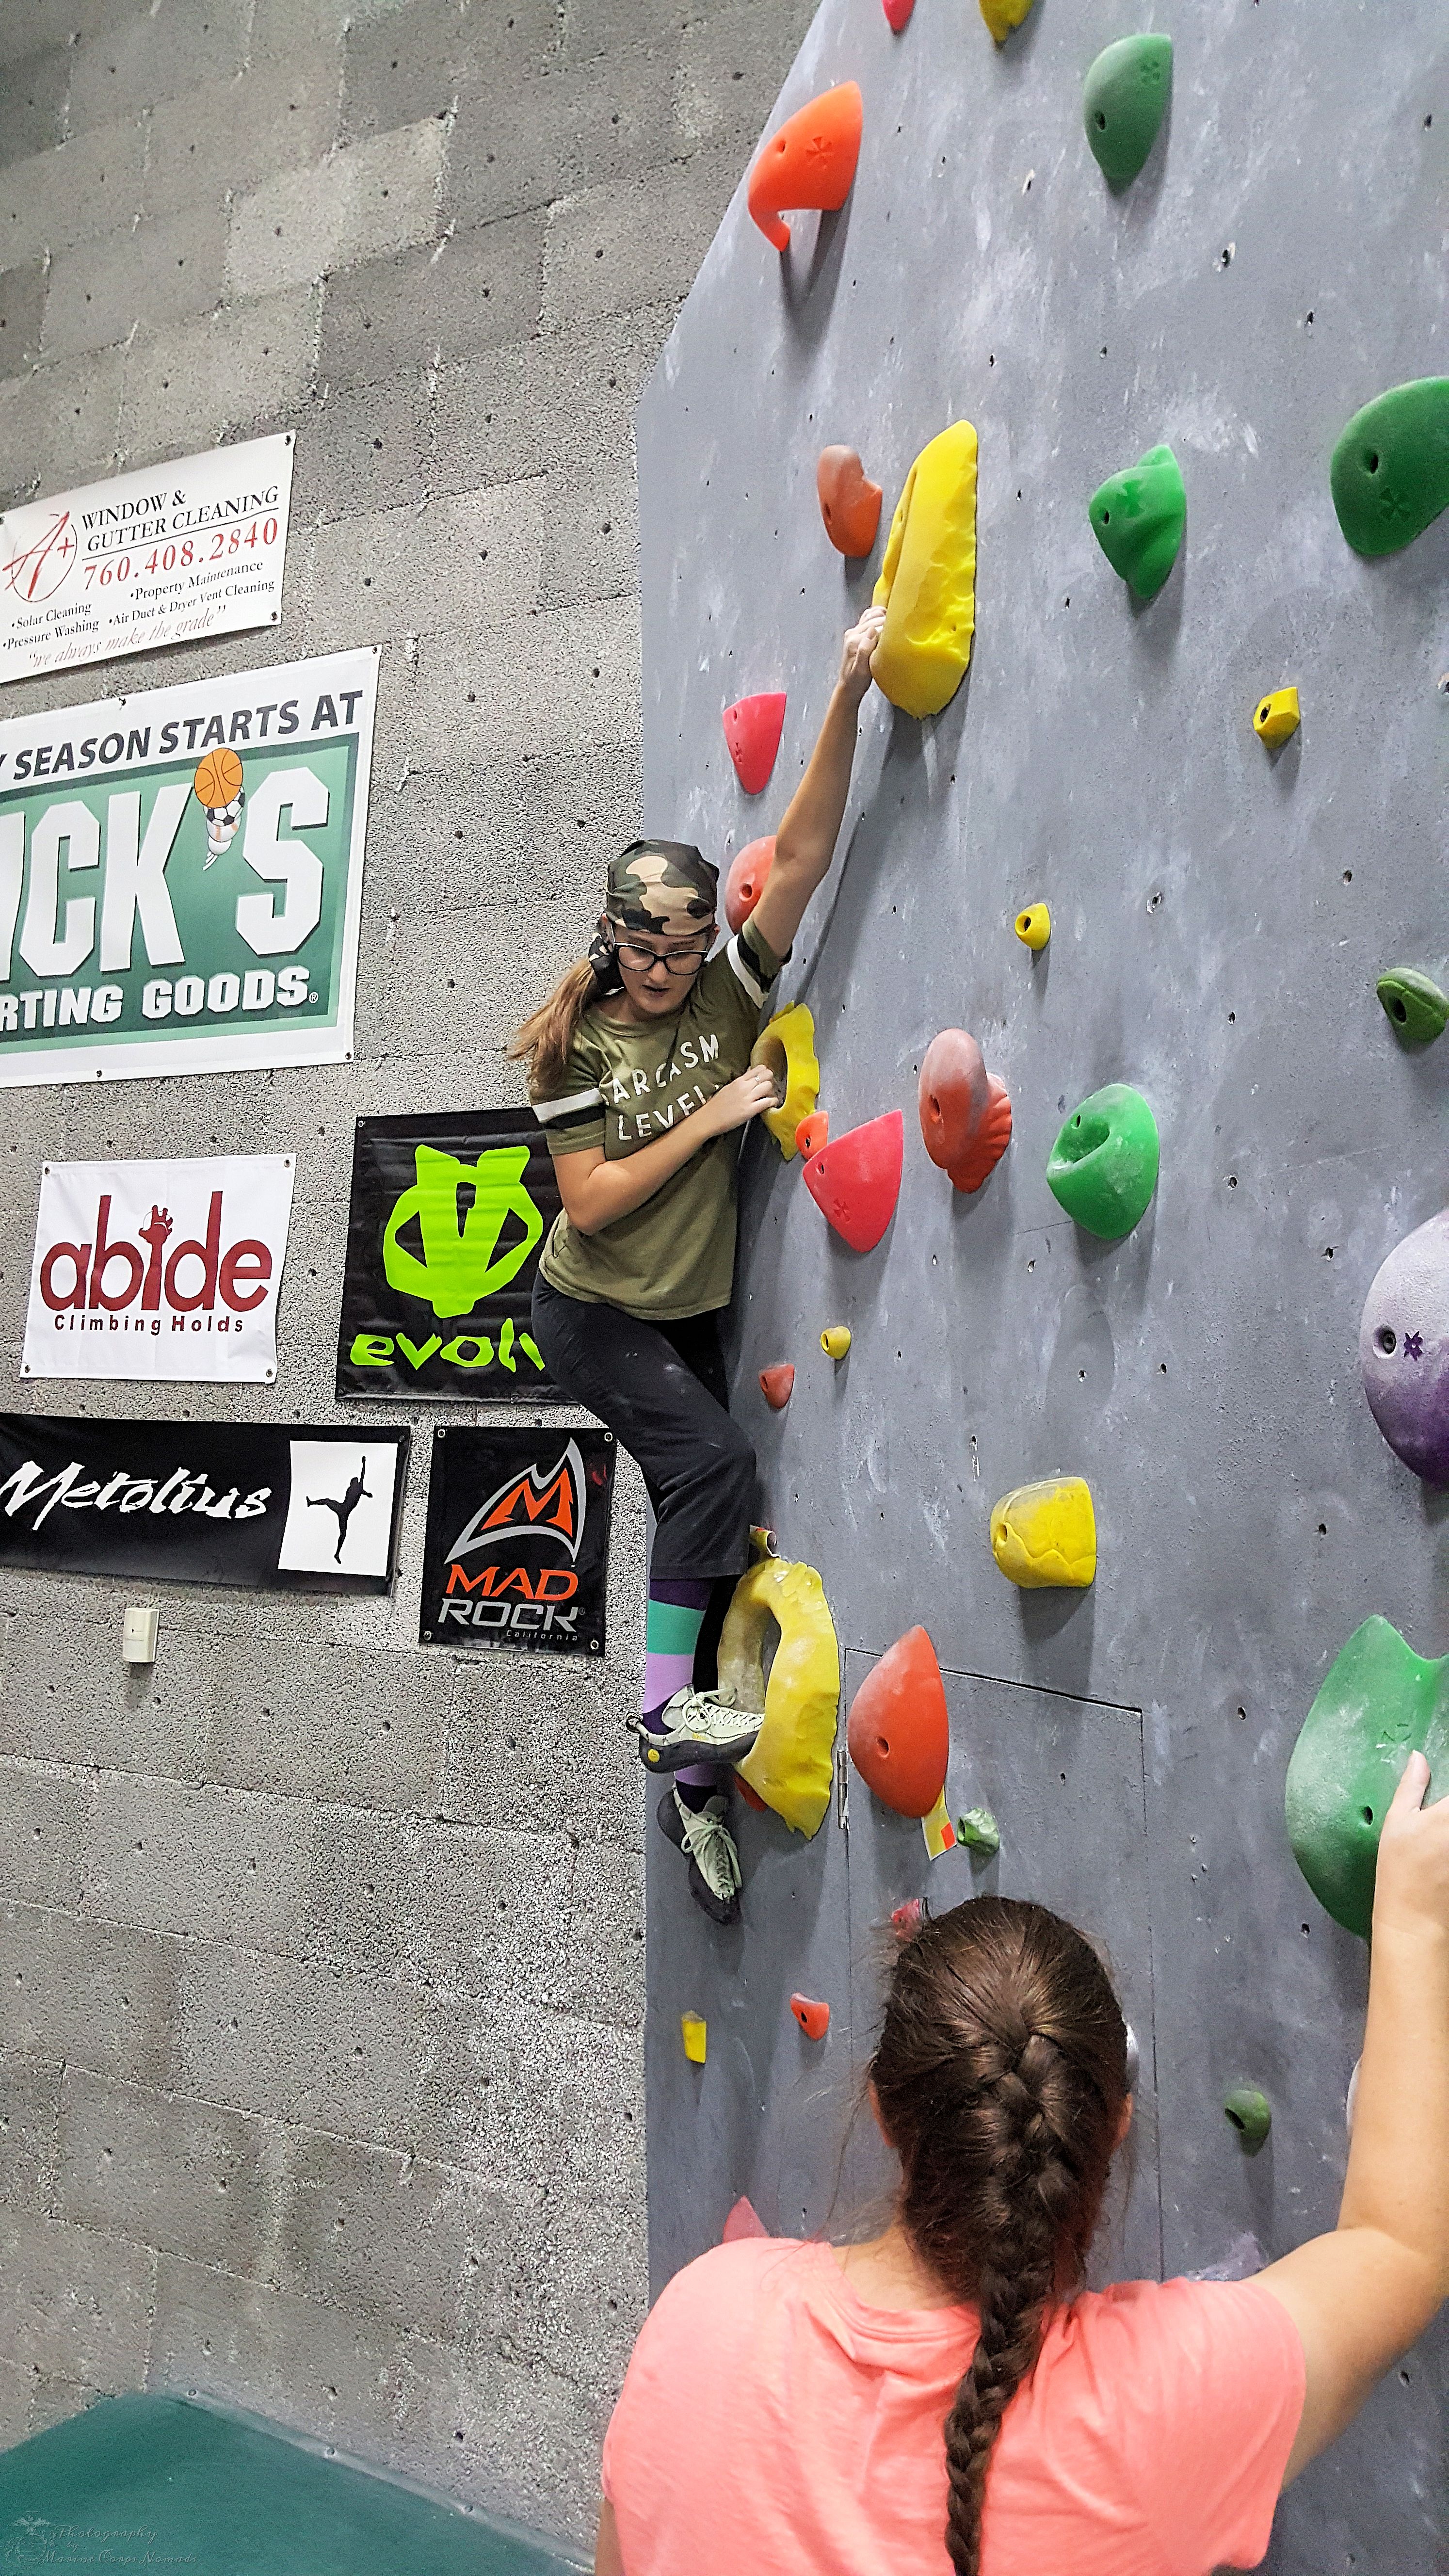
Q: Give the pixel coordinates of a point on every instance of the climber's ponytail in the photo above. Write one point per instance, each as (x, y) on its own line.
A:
(548, 1033)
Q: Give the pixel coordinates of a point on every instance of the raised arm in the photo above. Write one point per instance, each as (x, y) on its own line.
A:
(805, 842)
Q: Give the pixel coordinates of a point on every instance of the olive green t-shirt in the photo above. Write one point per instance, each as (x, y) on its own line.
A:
(623, 1087)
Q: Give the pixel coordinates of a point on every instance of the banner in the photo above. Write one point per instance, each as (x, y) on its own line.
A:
(517, 1548)
(196, 547)
(181, 875)
(159, 1270)
(443, 1235)
(202, 1502)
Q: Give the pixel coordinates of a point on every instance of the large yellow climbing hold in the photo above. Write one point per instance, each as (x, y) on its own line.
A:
(927, 582)
(1276, 717)
(1002, 15)
(1046, 1534)
(791, 1764)
(787, 1045)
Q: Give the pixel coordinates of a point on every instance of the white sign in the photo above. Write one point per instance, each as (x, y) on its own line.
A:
(159, 1270)
(196, 547)
(339, 1510)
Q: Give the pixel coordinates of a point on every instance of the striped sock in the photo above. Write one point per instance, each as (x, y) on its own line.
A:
(673, 1619)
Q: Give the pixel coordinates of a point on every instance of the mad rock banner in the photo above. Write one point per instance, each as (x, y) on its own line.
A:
(181, 876)
(202, 1502)
(443, 1236)
(159, 1270)
(517, 1550)
(191, 548)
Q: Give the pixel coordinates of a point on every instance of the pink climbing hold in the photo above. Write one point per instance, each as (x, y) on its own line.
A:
(752, 728)
(742, 2221)
(905, 1923)
(855, 1180)
(897, 13)
(965, 1111)
(745, 883)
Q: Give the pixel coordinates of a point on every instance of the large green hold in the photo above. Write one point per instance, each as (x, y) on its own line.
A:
(1390, 470)
(1414, 1004)
(1124, 103)
(1103, 1166)
(1378, 1703)
(1139, 517)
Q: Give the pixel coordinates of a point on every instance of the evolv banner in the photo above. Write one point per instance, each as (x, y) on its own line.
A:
(517, 1548)
(443, 1235)
(181, 875)
(258, 1504)
(159, 1270)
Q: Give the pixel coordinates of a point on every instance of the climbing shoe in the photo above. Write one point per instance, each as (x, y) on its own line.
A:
(714, 1863)
(697, 1726)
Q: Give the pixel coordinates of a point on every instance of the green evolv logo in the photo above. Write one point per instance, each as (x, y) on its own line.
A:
(461, 1262)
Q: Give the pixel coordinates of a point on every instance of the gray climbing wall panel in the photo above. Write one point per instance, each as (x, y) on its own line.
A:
(1219, 919)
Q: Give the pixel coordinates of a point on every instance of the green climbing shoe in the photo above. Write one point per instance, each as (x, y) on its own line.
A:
(714, 1862)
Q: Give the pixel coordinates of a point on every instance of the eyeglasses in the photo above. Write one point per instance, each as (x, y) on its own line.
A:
(678, 961)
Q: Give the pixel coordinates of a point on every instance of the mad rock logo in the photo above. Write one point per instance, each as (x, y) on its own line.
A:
(159, 1270)
(525, 1565)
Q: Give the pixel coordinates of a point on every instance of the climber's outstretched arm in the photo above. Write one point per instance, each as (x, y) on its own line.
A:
(805, 842)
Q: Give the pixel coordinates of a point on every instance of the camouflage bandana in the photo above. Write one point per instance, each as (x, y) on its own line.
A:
(666, 888)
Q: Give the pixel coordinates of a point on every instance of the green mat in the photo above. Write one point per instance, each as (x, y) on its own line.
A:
(159, 2482)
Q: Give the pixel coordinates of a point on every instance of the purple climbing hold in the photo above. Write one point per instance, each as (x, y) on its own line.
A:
(1403, 1349)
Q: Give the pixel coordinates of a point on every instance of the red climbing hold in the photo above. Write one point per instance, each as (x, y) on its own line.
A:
(810, 162)
(751, 1797)
(749, 869)
(813, 2018)
(965, 1112)
(849, 504)
(753, 727)
(743, 2220)
(777, 1385)
(898, 1733)
(813, 1132)
(897, 13)
(906, 1919)
(857, 1179)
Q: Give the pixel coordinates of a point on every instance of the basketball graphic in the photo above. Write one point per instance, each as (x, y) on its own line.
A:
(218, 779)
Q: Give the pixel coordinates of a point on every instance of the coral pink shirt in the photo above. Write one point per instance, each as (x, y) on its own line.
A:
(770, 2421)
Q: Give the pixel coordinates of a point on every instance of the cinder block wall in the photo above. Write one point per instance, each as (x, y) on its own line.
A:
(320, 1955)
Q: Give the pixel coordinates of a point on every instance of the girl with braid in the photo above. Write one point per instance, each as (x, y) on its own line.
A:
(948, 2396)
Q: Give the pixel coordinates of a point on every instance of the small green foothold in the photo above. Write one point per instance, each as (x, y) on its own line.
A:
(1417, 1009)
(1390, 469)
(978, 1830)
(1124, 103)
(1377, 1703)
(1139, 517)
(1103, 1166)
(1250, 2113)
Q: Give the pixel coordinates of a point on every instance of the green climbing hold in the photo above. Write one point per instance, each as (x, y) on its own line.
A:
(978, 1830)
(1414, 1004)
(1124, 103)
(1103, 1166)
(1139, 518)
(1390, 470)
(1250, 2113)
(1377, 1703)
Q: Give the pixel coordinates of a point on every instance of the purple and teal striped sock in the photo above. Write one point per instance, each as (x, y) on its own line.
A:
(672, 1622)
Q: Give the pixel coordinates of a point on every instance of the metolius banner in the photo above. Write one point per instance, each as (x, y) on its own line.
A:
(181, 875)
(159, 1270)
(259, 1504)
(443, 1235)
(517, 1548)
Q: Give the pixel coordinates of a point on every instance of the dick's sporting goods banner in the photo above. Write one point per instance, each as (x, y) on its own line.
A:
(443, 1236)
(258, 1504)
(517, 1550)
(181, 876)
(159, 1270)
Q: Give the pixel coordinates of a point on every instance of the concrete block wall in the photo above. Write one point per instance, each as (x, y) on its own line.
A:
(321, 1981)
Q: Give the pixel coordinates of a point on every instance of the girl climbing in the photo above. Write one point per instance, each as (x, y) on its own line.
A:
(1144, 2430)
(639, 1069)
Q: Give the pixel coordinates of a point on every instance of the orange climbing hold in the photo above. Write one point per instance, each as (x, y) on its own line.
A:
(965, 1111)
(777, 1385)
(813, 1132)
(809, 163)
(752, 729)
(849, 503)
(751, 1797)
(898, 1733)
(856, 1181)
(813, 2018)
(745, 883)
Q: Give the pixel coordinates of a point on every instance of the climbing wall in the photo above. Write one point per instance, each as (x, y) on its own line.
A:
(1219, 919)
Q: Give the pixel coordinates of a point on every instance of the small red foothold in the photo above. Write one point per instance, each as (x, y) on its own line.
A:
(743, 2220)
(752, 729)
(856, 1181)
(897, 13)
(898, 1732)
(748, 872)
(813, 2018)
(965, 1111)
(849, 504)
(777, 1385)
(813, 1132)
(906, 1919)
(751, 1797)
(810, 162)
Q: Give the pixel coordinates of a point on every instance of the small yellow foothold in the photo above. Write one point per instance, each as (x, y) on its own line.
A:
(694, 2029)
(1034, 926)
(1002, 15)
(1046, 1534)
(1276, 716)
(835, 1341)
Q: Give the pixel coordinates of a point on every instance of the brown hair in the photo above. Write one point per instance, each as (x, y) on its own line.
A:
(1001, 2076)
(548, 1033)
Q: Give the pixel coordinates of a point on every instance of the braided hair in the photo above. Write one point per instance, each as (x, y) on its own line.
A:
(1001, 2077)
